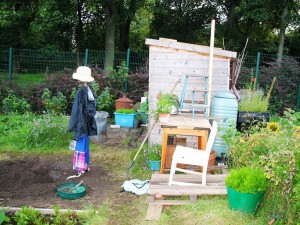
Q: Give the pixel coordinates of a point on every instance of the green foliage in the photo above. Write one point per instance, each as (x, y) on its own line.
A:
(3, 217)
(106, 101)
(68, 218)
(126, 111)
(14, 104)
(275, 150)
(165, 103)
(28, 215)
(247, 180)
(254, 101)
(31, 131)
(285, 94)
(143, 106)
(54, 104)
(118, 76)
(154, 152)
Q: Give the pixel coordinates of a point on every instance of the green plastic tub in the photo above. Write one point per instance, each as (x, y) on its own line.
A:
(70, 191)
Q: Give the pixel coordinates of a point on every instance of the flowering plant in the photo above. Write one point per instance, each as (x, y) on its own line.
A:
(154, 152)
(274, 149)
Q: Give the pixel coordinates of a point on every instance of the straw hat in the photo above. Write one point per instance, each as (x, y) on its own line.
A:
(83, 73)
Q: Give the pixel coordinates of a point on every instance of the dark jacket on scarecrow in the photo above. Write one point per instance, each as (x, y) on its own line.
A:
(82, 120)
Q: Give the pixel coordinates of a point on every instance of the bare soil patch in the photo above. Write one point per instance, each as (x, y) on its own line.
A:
(32, 181)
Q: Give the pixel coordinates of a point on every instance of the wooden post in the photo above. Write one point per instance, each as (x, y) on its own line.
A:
(210, 65)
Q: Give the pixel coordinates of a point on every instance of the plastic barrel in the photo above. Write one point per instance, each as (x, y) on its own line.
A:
(243, 202)
(224, 106)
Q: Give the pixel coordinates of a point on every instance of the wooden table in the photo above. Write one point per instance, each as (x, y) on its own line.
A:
(183, 125)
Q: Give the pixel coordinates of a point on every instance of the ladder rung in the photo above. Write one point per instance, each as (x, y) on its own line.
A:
(195, 102)
(190, 110)
(196, 75)
(195, 105)
(200, 91)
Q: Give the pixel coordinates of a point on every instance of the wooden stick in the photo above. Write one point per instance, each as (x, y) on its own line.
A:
(210, 65)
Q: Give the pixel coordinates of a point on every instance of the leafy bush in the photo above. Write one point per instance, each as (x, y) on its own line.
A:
(28, 215)
(247, 180)
(13, 104)
(106, 101)
(54, 104)
(285, 91)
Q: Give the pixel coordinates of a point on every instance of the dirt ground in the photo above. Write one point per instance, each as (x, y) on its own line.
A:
(32, 181)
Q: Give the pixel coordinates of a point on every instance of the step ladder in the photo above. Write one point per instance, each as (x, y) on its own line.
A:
(201, 92)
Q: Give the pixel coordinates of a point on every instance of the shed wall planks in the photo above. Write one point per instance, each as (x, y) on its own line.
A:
(167, 65)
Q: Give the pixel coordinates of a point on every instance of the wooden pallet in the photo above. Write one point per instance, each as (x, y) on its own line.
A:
(159, 190)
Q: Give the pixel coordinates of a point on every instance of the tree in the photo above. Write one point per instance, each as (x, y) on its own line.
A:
(186, 21)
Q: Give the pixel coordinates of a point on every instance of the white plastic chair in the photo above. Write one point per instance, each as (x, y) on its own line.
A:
(195, 157)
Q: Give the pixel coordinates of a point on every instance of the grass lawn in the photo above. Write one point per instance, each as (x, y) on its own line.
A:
(24, 79)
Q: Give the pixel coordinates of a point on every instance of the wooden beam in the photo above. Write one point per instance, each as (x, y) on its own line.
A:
(190, 47)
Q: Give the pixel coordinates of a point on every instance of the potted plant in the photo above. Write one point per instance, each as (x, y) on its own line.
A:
(125, 117)
(253, 107)
(166, 102)
(154, 156)
(245, 188)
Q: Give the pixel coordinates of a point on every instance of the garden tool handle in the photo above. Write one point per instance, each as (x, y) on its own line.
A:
(174, 86)
(80, 183)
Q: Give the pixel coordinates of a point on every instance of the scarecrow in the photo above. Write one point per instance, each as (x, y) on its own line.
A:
(82, 121)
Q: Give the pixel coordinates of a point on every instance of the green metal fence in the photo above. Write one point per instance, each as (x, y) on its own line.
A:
(18, 61)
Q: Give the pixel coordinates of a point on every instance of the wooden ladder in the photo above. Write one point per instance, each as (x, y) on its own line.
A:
(203, 91)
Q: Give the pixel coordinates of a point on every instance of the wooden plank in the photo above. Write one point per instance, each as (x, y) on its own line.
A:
(154, 211)
(170, 202)
(191, 190)
(209, 177)
(158, 63)
(189, 47)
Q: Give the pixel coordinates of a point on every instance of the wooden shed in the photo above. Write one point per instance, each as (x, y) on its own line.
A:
(170, 61)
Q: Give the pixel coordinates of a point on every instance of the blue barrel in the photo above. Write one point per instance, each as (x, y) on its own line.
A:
(224, 106)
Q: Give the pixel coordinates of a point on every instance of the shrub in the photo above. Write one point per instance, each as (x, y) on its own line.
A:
(54, 104)
(14, 104)
(106, 101)
(285, 91)
(247, 180)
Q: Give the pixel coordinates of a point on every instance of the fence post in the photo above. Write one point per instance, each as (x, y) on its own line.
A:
(298, 97)
(10, 64)
(127, 65)
(86, 57)
(257, 69)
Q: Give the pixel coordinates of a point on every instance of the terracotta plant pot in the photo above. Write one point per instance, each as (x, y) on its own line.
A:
(211, 162)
